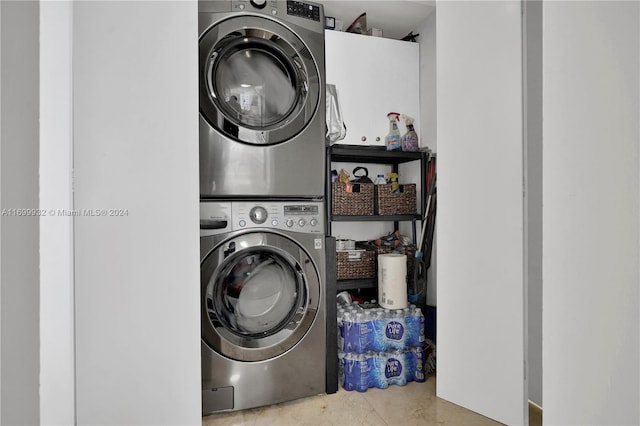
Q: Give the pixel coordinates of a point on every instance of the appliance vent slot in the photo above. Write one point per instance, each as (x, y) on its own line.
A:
(305, 52)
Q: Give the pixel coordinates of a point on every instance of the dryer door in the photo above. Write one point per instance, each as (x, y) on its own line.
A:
(260, 295)
(258, 81)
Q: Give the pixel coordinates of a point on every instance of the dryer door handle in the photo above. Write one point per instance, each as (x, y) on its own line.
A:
(213, 224)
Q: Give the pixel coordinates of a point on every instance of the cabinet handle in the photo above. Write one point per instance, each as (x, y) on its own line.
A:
(364, 138)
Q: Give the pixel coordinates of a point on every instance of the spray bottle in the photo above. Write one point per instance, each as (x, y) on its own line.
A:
(393, 139)
(409, 139)
(392, 178)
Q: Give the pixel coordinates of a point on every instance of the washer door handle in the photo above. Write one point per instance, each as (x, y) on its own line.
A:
(212, 59)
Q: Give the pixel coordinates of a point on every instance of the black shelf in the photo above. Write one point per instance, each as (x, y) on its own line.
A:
(375, 218)
(372, 154)
(343, 285)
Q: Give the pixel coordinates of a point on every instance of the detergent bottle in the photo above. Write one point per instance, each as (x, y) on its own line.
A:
(393, 179)
(393, 139)
(409, 139)
(380, 179)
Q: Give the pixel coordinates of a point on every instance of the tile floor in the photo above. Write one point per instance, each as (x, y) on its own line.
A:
(413, 404)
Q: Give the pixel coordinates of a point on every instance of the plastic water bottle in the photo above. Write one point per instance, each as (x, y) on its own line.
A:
(379, 328)
(357, 370)
(347, 325)
(377, 376)
(358, 331)
(347, 371)
(416, 357)
(341, 368)
(358, 334)
(340, 329)
(415, 327)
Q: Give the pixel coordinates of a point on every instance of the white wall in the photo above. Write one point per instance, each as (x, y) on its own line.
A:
(19, 278)
(533, 194)
(428, 92)
(591, 237)
(57, 357)
(1, 383)
(428, 118)
(480, 208)
(137, 276)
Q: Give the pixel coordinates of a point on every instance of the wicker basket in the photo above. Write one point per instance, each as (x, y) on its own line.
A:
(394, 203)
(409, 251)
(352, 199)
(355, 264)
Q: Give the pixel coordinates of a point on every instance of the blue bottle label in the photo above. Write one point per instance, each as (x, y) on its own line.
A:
(394, 330)
(393, 368)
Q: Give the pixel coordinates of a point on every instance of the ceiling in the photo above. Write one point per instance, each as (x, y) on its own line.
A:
(395, 18)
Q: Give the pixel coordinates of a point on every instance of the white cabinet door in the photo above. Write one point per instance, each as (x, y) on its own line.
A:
(136, 272)
(591, 206)
(374, 76)
(480, 208)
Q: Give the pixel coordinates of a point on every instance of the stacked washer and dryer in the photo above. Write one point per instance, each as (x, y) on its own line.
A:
(262, 220)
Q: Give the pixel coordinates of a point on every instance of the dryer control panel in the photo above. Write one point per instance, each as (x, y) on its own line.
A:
(303, 216)
(299, 9)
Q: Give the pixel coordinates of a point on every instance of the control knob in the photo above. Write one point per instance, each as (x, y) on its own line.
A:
(258, 215)
(258, 3)
(313, 222)
(289, 223)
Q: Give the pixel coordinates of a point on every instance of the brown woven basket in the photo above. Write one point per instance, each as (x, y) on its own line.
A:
(352, 199)
(355, 264)
(410, 251)
(393, 203)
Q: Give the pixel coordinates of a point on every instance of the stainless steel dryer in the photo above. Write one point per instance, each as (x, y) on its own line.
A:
(263, 303)
(262, 98)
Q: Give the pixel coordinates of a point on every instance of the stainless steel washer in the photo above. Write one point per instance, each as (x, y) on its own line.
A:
(262, 99)
(263, 303)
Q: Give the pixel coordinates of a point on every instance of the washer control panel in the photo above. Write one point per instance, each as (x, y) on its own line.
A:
(303, 10)
(302, 216)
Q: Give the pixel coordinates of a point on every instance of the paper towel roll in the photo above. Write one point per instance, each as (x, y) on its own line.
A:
(392, 281)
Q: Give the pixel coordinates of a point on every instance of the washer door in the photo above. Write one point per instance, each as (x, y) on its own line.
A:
(260, 296)
(258, 81)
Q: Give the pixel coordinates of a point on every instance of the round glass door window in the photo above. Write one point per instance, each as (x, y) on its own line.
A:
(259, 299)
(254, 84)
(258, 81)
(257, 294)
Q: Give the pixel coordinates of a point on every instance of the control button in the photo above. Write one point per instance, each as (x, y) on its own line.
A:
(242, 223)
(313, 222)
(289, 223)
(241, 6)
(258, 215)
(274, 12)
(274, 222)
(302, 222)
